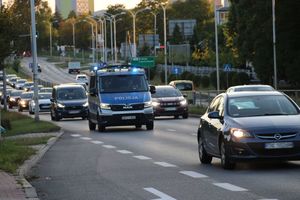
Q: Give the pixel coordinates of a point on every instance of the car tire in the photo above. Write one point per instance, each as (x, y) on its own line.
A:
(226, 162)
(150, 125)
(138, 126)
(204, 157)
(101, 128)
(31, 113)
(176, 116)
(56, 117)
(10, 106)
(92, 126)
(83, 118)
(185, 116)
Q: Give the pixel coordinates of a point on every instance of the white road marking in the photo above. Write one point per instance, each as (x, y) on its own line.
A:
(193, 174)
(85, 138)
(75, 135)
(164, 164)
(124, 152)
(161, 195)
(194, 134)
(142, 157)
(96, 142)
(109, 146)
(230, 187)
(267, 199)
(171, 130)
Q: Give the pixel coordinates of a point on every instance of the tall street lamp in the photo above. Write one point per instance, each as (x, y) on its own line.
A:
(274, 44)
(93, 43)
(96, 35)
(165, 41)
(217, 48)
(154, 32)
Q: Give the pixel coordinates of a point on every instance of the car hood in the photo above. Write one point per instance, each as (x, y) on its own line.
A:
(261, 123)
(72, 102)
(125, 98)
(167, 99)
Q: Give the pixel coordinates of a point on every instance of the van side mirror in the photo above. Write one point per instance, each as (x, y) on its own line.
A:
(93, 92)
(152, 89)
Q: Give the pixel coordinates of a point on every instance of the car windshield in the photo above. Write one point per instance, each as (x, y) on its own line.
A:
(184, 86)
(261, 106)
(27, 95)
(166, 92)
(45, 96)
(123, 83)
(241, 89)
(16, 93)
(71, 93)
(46, 90)
(21, 81)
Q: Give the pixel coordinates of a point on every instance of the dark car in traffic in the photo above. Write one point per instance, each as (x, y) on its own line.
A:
(23, 103)
(68, 101)
(14, 98)
(169, 101)
(243, 126)
(244, 88)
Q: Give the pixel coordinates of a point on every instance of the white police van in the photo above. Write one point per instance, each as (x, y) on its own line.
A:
(119, 96)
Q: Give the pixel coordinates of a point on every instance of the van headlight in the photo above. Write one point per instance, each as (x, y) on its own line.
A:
(60, 105)
(86, 104)
(105, 106)
(183, 102)
(155, 104)
(148, 104)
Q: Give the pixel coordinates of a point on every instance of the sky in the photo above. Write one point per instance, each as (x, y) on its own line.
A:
(102, 4)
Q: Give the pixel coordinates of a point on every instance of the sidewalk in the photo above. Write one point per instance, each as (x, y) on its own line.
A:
(9, 188)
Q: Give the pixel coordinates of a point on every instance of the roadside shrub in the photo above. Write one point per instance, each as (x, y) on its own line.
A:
(16, 65)
(197, 81)
(205, 81)
(186, 75)
(6, 123)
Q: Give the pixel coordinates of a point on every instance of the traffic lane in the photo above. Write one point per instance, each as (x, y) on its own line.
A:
(181, 148)
(76, 168)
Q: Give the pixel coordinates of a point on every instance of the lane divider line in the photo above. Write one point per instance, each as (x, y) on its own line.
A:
(193, 174)
(124, 152)
(161, 195)
(75, 135)
(96, 142)
(142, 157)
(165, 164)
(109, 146)
(228, 186)
(85, 138)
(171, 130)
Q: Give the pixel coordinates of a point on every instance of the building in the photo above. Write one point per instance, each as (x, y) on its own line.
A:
(223, 11)
(79, 6)
(186, 27)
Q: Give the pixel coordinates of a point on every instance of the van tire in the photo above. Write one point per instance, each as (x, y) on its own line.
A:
(101, 128)
(92, 126)
(150, 126)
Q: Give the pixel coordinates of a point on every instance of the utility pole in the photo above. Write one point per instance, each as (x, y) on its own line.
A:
(34, 56)
(217, 49)
(274, 44)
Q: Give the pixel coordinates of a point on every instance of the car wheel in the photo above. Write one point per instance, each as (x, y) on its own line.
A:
(138, 126)
(185, 116)
(92, 126)
(31, 113)
(10, 106)
(226, 162)
(101, 128)
(56, 117)
(204, 157)
(83, 118)
(176, 116)
(150, 126)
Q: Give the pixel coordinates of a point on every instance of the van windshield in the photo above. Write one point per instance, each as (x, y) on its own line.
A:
(71, 93)
(184, 86)
(122, 83)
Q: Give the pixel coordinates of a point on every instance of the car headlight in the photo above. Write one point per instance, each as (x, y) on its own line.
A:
(105, 106)
(12, 99)
(22, 102)
(148, 104)
(155, 104)
(239, 133)
(60, 105)
(183, 102)
(86, 104)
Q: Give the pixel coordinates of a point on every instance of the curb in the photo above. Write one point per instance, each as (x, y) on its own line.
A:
(30, 191)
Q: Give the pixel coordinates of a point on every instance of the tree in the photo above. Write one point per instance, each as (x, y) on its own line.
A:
(177, 36)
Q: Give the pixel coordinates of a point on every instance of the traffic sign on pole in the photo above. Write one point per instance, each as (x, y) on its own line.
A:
(147, 61)
(227, 67)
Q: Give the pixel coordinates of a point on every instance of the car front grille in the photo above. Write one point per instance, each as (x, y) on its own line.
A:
(276, 136)
(169, 104)
(73, 107)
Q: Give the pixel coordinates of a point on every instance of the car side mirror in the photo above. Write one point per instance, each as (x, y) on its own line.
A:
(52, 100)
(185, 96)
(152, 89)
(214, 115)
(93, 92)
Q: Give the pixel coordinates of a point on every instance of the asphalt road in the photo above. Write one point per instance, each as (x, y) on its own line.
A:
(134, 164)
(126, 163)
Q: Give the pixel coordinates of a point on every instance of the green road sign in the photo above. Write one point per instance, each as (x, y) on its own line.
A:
(147, 61)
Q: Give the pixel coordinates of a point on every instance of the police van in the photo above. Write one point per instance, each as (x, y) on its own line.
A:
(119, 96)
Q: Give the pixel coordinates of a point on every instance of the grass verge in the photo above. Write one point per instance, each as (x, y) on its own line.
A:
(13, 153)
(21, 124)
(197, 109)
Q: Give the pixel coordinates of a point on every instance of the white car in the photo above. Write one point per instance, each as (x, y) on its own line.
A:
(82, 78)
(20, 83)
(44, 103)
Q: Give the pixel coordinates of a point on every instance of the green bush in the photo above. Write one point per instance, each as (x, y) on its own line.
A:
(6, 123)
(205, 81)
(197, 81)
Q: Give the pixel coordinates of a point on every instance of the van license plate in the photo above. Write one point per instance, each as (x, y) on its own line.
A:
(279, 145)
(128, 117)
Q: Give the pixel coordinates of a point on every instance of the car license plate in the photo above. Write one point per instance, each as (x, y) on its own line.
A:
(74, 111)
(279, 145)
(128, 117)
(170, 109)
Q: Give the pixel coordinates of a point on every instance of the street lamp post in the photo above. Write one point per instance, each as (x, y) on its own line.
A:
(165, 42)
(73, 31)
(95, 38)
(50, 39)
(93, 43)
(108, 17)
(217, 48)
(274, 44)
(154, 36)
